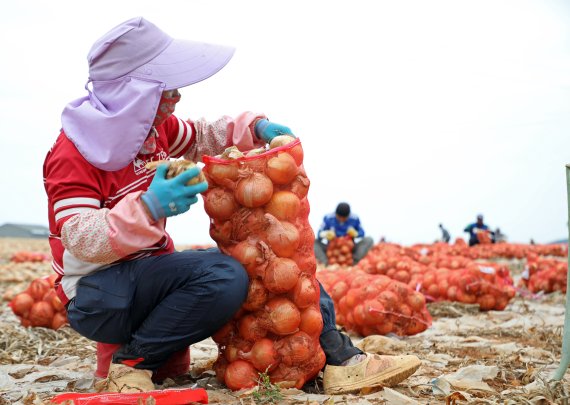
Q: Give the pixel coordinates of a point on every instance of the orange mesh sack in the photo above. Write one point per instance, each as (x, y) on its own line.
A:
(371, 304)
(259, 211)
(339, 251)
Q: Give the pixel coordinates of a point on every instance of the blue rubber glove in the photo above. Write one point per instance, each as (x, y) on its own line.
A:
(169, 197)
(268, 130)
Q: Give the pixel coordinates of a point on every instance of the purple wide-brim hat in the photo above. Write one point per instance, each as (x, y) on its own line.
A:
(140, 49)
(129, 68)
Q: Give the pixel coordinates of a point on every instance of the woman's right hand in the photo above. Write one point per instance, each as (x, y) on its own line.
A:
(170, 197)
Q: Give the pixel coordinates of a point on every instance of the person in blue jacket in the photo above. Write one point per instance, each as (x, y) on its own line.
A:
(341, 223)
(476, 227)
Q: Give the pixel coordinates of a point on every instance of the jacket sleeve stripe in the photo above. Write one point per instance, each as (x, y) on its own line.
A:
(178, 149)
(80, 201)
(71, 211)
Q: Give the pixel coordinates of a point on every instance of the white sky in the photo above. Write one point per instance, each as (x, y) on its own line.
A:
(414, 112)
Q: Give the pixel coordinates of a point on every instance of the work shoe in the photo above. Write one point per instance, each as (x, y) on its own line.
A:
(374, 372)
(122, 378)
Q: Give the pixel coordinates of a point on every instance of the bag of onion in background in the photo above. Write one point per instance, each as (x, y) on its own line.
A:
(39, 305)
(375, 304)
(258, 211)
(339, 251)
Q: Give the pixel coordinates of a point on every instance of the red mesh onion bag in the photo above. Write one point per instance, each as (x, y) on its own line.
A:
(258, 211)
(372, 304)
(339, 251)
(486, 284)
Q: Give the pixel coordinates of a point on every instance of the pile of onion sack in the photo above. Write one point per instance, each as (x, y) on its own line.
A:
(375, 304)
(258, 209)
(546, 275)
(39, 305)
(486, 284)
(340, 251)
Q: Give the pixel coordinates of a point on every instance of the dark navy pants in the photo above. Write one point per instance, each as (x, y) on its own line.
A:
(158, 305)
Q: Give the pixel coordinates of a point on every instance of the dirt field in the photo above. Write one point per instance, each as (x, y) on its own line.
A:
(468, 356)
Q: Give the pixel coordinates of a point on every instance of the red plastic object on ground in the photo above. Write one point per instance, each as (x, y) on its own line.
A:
(162, 397)
(178, 364)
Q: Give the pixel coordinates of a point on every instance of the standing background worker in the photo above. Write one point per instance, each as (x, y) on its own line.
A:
(342, 223)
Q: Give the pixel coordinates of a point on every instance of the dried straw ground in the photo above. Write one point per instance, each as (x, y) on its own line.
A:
(471, 357)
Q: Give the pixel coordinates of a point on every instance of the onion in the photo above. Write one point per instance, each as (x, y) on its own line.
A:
(222, 174)
(248, 222)
(281, 275)
(251, 328)
(254, 190)
(375, 312)
(219, 203)
(283, 237)
(38, 288)
(58, 321)
(240, 374)
(51, 280)
(21, 304)
(282, 168)
(297, 153)
(283, 205)
(220, 368)
(247, 253)
(311, 321)
(263, 355)
(339, 290)
(295, 349)
(41, 314)
(225, 333)
(283, 316)
(281, 140)
(486, 302)
(300, 185)
(316, 364)
(288, 377)
(306, 291)
(416, 300)
(232, 350)
(415, 326)
(221, 232)
(52, 298)
(256, 295)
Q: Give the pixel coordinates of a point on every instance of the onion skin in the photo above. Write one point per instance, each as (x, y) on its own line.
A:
(311, 321)
(256, 295)
(295, 349)
(281, 275)
(263, 355)
(300, 186)
(41, 314)
(21, 304)
(240, 374)
(219, 204)
(281, 140)
(222, 174)
(251, 328)
(254, 190)
(283, 316)
(282, 168)
(306, 292)
(284, 205)
(249, 255)
(38, 288)
(58, 321)
(283, 237)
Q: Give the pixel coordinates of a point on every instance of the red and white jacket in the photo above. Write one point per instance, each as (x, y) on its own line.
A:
(96, 217)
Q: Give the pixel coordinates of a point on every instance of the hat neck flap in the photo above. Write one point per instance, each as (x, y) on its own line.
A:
(109, 126)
